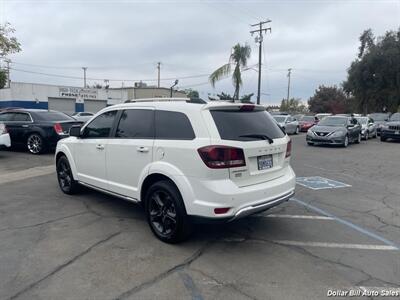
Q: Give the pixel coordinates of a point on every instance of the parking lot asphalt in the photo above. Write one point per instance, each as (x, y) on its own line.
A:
(93, 246)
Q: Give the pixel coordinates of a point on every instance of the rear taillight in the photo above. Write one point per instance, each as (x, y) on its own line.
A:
(58, 128)
(247, 107)
(220, 157)
(288, 149)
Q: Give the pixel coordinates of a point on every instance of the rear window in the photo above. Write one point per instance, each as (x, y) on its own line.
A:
(173, 126)
(52, 116)
(234, 125)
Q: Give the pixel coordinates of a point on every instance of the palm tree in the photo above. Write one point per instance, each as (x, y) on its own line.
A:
(239, 56)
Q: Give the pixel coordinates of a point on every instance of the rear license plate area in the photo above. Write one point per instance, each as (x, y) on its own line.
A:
(264, 162)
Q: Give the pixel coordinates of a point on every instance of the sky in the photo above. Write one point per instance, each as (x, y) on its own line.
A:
(122, 41)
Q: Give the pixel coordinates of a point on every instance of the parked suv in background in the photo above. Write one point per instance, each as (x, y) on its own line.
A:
(391, 130)
(183, 160)
(380, 120)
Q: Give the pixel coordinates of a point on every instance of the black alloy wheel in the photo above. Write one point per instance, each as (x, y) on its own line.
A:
(166, 213)
(65, 178)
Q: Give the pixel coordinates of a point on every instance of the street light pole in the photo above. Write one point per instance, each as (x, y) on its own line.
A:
(288, 86)
(175, 83)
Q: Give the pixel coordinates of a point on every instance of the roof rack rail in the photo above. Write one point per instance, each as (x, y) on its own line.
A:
(157, 100)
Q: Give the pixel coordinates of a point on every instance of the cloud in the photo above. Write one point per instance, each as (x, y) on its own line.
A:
(125, 40)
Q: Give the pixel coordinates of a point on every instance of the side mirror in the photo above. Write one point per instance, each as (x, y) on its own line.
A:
(75, 130)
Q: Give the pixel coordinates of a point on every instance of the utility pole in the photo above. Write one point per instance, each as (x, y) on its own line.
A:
(259, 40)
(8, 72)
(288, 86)
(158, 68)
(84, 76)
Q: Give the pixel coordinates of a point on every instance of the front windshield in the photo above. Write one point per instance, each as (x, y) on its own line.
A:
(362, 120)
(379, 116)
(308, 119)
(395, 117)
(333, 121)
(280, 119)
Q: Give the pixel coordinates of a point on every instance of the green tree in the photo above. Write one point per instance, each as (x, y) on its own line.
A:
(329, 99)
(8, 45)
(246, 98)
(373, 78)
(294, 105)
(190, 93)
(239, 56)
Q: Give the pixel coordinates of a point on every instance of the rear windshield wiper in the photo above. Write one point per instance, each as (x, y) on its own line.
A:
(258, 136)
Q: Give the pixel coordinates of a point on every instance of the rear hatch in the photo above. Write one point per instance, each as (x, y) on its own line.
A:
(264, 144)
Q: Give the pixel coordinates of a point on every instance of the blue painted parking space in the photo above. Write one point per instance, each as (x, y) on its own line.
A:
(320, 183)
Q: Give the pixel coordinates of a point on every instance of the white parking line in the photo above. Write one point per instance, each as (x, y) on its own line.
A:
(26, 174)
(335, 245)
(296, 217)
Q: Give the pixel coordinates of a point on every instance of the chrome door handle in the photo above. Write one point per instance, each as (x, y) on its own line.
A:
(100, 147)
(25, 126)
(142, 149)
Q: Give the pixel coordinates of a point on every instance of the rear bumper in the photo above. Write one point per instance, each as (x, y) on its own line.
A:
(242, 201)
(5, 140)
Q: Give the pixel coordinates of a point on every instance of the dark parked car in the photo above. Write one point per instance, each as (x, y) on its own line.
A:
(391, 130)
(379, 119)
(37, 130)
(306, 122)
(335, 130)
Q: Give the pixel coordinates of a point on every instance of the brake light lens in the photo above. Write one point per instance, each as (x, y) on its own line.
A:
(288, 149)
(58, 128)
(221, 157)
(247, 107)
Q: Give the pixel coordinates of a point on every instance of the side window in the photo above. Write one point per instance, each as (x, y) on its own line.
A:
(101, 126)
(136, 124)
(173, 126)
(6, 116)
(21, 117)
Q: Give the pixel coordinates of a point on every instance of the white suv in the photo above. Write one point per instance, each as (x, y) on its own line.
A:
(183, 160)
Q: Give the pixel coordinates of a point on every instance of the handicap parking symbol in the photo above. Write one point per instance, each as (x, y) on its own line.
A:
(320, 183)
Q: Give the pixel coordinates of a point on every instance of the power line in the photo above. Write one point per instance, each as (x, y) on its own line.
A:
(91, 78)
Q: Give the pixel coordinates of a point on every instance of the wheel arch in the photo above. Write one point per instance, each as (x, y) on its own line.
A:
(64, 151)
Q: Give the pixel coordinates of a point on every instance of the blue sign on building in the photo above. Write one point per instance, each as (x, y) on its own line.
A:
(320, 183)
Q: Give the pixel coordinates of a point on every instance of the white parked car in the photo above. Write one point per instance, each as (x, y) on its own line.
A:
(288, 123)
(4, 136)
(183, 160)
(82, 116)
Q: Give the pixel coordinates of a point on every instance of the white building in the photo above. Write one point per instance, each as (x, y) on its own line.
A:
(71, 99)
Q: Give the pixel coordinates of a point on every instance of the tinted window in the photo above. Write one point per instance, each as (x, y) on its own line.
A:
(233, 125)
(137, 124)
(52, 116)
(21, 117)
(173, 126)
(86, 114)
(101, 126)
(6, 116)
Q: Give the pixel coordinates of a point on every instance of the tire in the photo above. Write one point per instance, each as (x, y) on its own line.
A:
(297, 130)
(358, 140)
(35, 144)
(65, 178)
(367, 136)
(346, 142)
(166, 213)
(310, 144)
